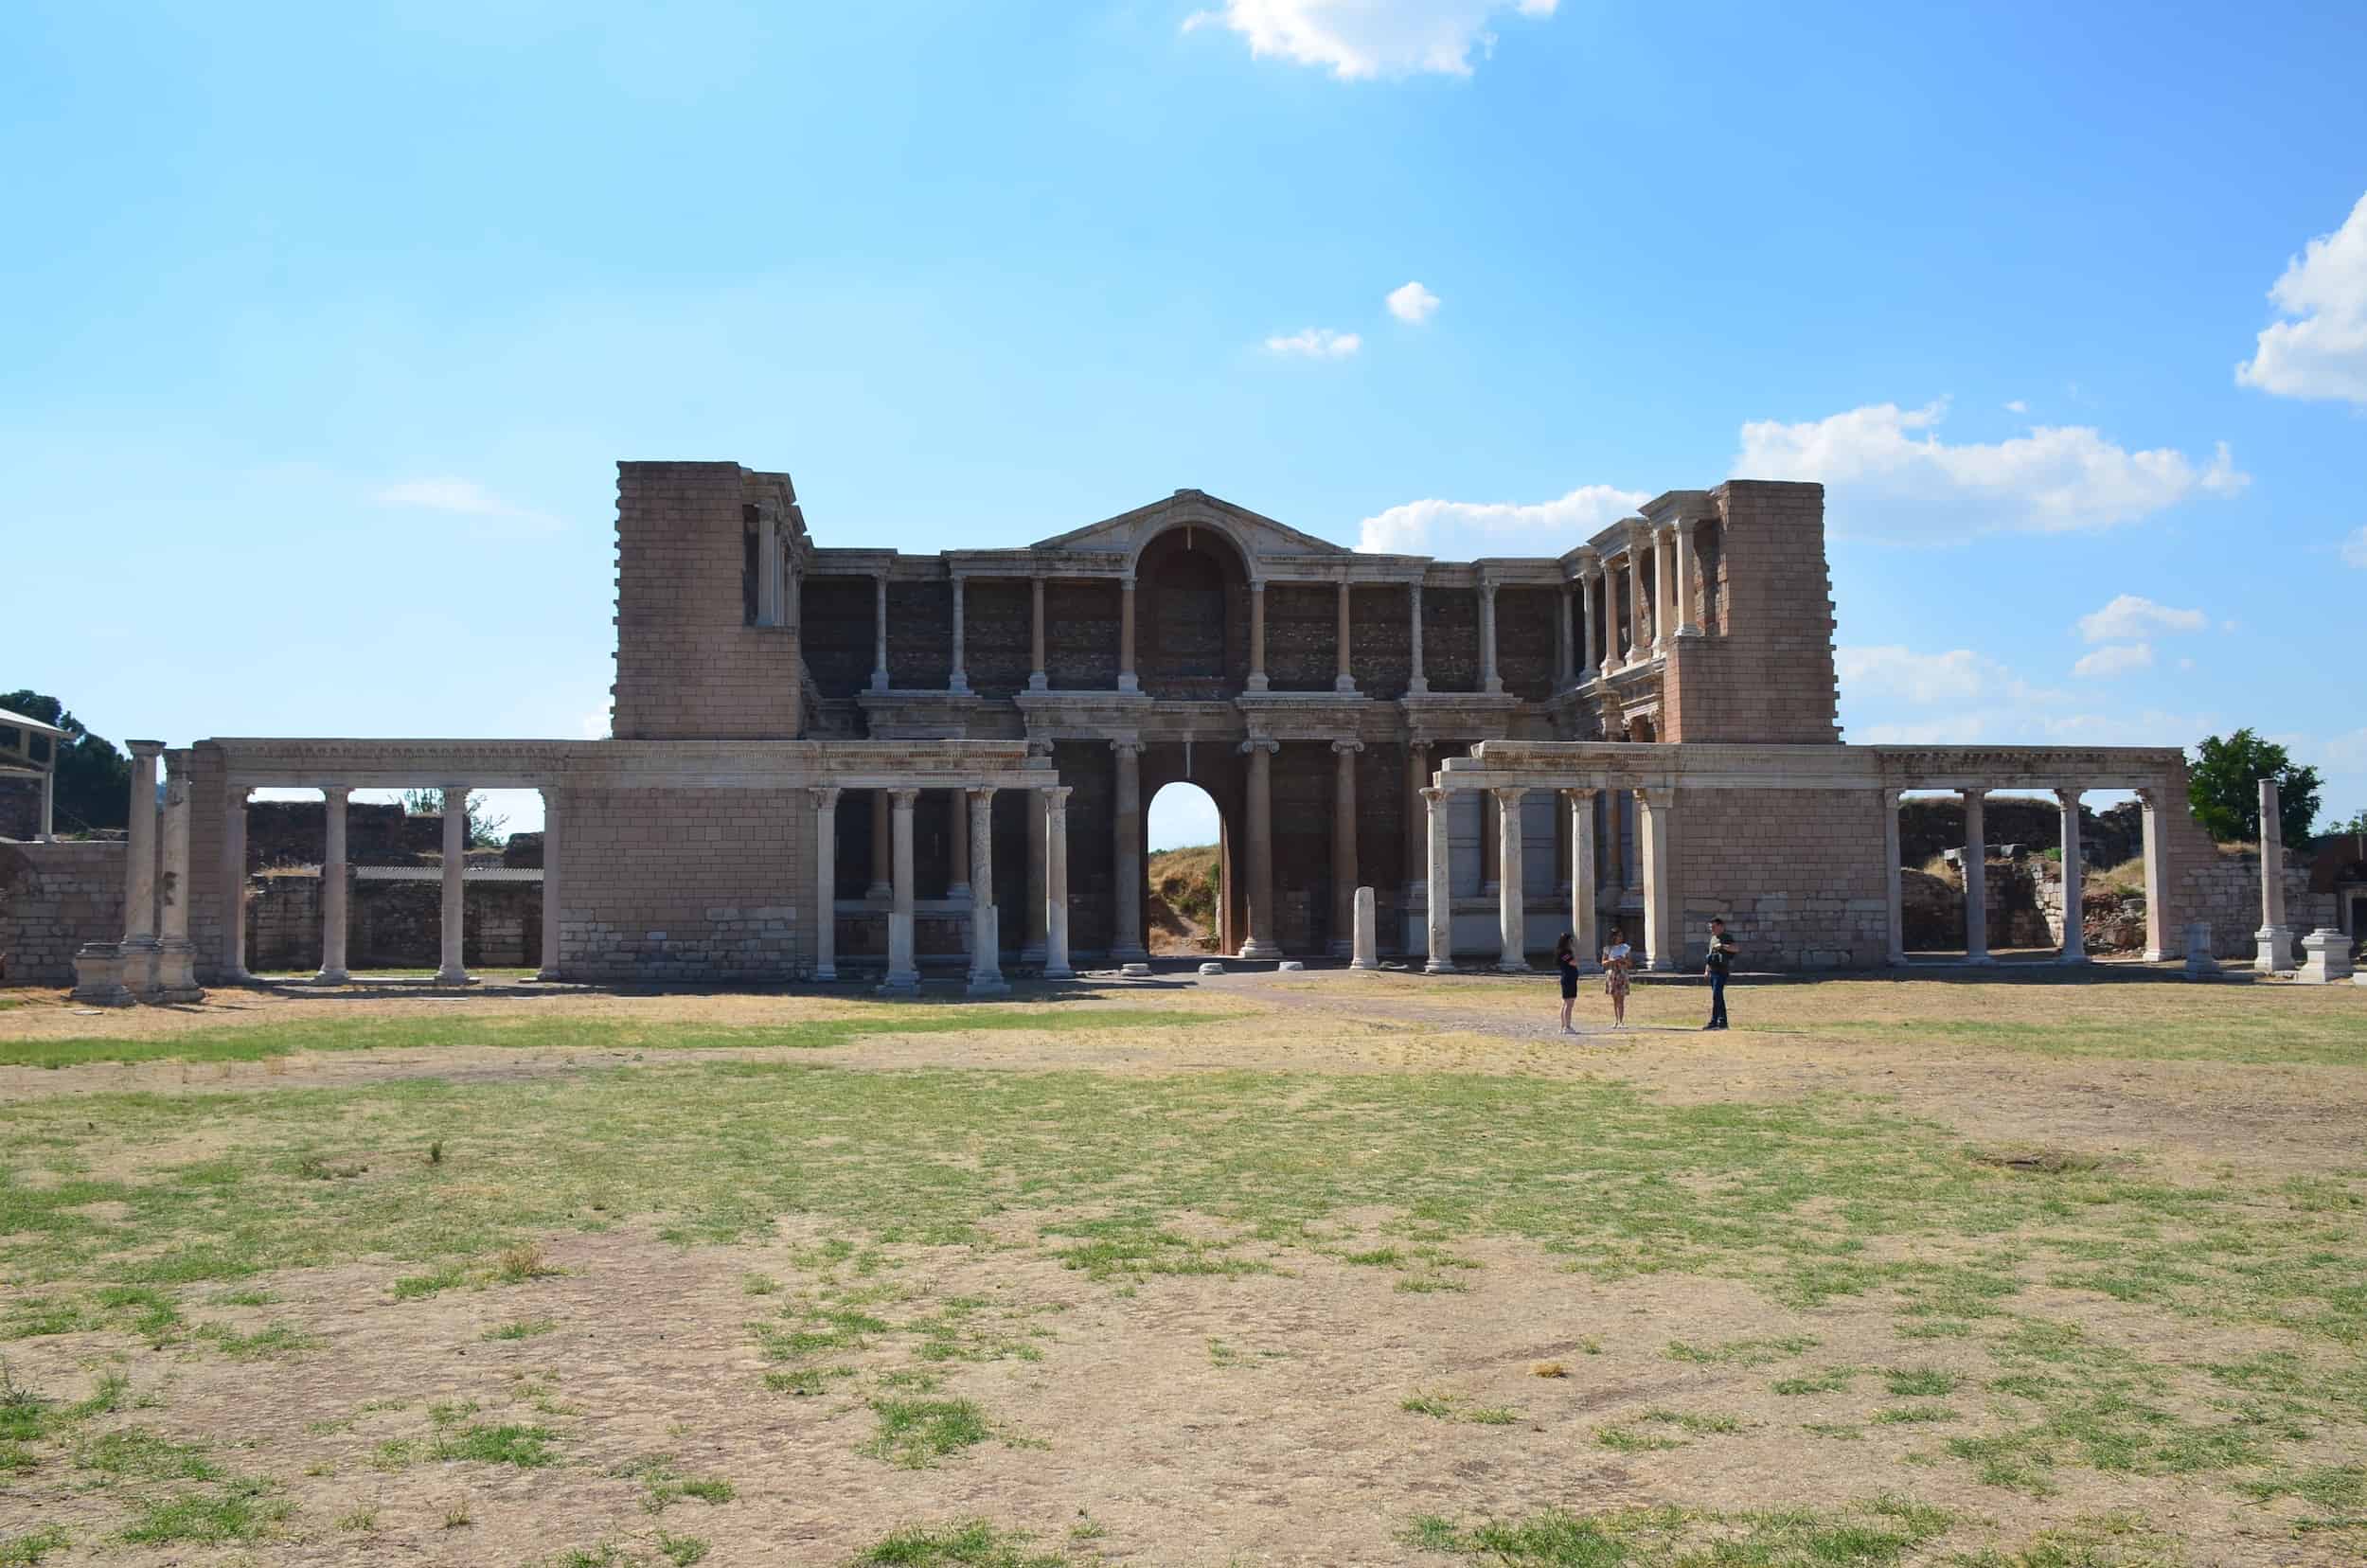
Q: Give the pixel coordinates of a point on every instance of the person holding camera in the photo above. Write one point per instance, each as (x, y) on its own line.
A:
(1720, 961)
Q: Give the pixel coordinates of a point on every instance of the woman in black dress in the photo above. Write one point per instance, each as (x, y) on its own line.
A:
(1566, 962)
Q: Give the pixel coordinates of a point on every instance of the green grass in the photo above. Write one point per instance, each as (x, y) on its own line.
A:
(1867, 1535)
(916, 1434)
(241, 1510)
(257, 1043)
(2251, 1035)
(24, 1551)
(522, 1330)
(973, 1543)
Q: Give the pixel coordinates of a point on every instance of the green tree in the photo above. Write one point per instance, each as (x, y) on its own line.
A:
(93, 788)
(2358, 824)
(484, 830)
(2223, 786)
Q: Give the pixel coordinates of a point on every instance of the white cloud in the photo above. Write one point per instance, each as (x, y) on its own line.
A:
(2018, 406)
(2114, 659)
(463, 498)
(1315, 342)
(1457, 530)
(1899, 696)
(1888, 476)
(1359, 39)
(1412, 303)
(2355, 549)
(2130, 618)
(2321, 352)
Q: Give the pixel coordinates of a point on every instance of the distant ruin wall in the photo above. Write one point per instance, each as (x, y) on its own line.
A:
(53, 898)
(391, 924)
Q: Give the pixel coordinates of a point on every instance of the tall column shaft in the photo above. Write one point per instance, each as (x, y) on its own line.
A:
(176, 960)
(1441, 905)
(1976, 880)
(1125, 914)
(1489, 679)
(233, 885)
(903, 972)
(1257, 635)
(1565, 669)
(1894, 889)
(1419, 685)
(1619, 808)
(1663, 587)
(1638, 618)
(957, 848)
(1037, 679)
(878, 633)
(959, 680)
(2271, 857)
(1683, 584)
(985, 938)
(1127, 681)
(768, 568)
(1345, 679)
(1262, 942)
(1511, 905)
(139, 853)
(1583, 919)
(825, 881)
(1343, 847)
(1491, 846)
(1656, 813)
(554, 884)
(1416, 828)
(2153, 802)
(1034, 941)
(1054, 818)
(882, 848)
(334, 885)
(1598, 592)
(453, 971)
(2074, 918)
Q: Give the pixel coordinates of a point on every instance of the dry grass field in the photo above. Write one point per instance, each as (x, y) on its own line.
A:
(1268, 1269)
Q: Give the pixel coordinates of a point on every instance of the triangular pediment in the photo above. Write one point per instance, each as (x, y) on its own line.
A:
(1259, 537)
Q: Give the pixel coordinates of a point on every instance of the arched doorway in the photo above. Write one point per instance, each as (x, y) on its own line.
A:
(1193, 598)
(1184, 859)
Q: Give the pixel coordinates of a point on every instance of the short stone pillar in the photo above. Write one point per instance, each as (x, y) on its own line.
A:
(176, 958)
(2199, 964)
(454, 971)
(1053, 813)
(334, 886)
(903, 972)
(2274, 955)
(1367, 950)
(2325, 958)
(986, 925)
(1440, 904)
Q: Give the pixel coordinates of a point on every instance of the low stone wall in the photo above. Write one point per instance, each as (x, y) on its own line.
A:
(1928, 825)
(295, 832)
(2016, 903)
(53, 898)
(2225, 890)
(391, 924)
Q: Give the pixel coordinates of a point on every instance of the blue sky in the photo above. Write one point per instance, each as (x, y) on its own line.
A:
(326, 326)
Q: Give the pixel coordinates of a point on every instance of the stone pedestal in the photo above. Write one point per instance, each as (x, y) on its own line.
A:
(99, 974)
(2274, 955)
(2325, 958)
(2199, 964)
(1367, 950)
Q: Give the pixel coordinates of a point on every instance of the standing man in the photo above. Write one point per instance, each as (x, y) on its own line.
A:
(1720, 961)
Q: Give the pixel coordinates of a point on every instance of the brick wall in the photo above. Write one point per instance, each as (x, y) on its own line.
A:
(1797, 874)
(680, 886)
(1451, 649)
(1302, 636)
(53, 898)
(1769, 677)
(836, 631)
(392, 924)
(689, 665)
(1380, 646)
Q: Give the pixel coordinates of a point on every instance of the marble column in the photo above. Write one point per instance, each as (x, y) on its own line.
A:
(1343, 847)
(1638, 618)
(2275, 941)
(1976, 878)
(1054, 817)
(1416, 830)
(1561, 844)
(1565, 669)
(957, 848)
(1599, 593)
(986, 934)
(1419, 685)
(1682, 583)
(1656, 812)
(1584, 922)
(453, 929)
(2075, 934)
(903, 970)
(1127, 681)
(1491, 846)
(1260, 942)
(1345, 679)
(140, 946)
(335, 881)
(176, 960)
(1511, 902)
(1441, 885)
(1663, 586)
(824, 799)
(554, 884)
(1615, 813)
(1894, 891)
(1034, 941)
(1036, 678)
(768, 567)
(878, 655)
(1257, 634)
(1489, 680)
(880, 886)
(959, 680)
(1126, 885)
(2152, 803)
(234, 886)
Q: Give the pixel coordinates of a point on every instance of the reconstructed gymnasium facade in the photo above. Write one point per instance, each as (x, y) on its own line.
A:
(842, 762)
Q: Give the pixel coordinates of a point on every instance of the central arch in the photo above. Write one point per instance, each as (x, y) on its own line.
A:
(1184, 880)
(1192, 593)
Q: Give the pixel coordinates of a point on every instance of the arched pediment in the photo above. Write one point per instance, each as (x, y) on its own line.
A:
(1257, 538)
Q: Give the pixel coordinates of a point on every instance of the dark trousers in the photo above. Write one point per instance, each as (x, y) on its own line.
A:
(1717, 999)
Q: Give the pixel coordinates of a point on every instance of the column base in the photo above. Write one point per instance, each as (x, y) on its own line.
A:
(956, 890)
(1344, 684)
(879, 680)
(1059, 972)
(2275, 950)
(960, 683)
(1257, 682)
(1129, 953)
(1128, 683)
(1512, 966)
(332, 977)
(176, 972)
(1037, 680)
(1417, 687)
(2074, 959)
(1439, 966)
(988, 985)
(899, 985)
(98, 976)
(1259, 947)
(1979, 958)
(544, 975)
(453, 978)
(823, 973)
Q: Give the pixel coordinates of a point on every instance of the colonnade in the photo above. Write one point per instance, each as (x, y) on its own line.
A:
(2073, 949)
(972, 874)
(1583, 644)
(1575, 832)
(154, 960)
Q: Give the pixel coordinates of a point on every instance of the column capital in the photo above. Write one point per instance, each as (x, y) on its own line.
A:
(824, 796)
(1260, 744)
(901, 799)
(974, 791)
(1128, 748)
(1509, 794)
(1126, 580)
(1418, 747)
(1257, 585)
(1056, 795)
(1344, 747)
(1487, 587)
(338, 794)
(1890, 798)
(150, 749)
(1971, 794)
(2069, 794)
(1581, 791)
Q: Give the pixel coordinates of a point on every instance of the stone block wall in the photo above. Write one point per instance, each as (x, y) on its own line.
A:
(1770, 676)
(670, 886)
(1526, 640)
(1928, 825)
(2224, 888)
(1380, 642)
(295, 832)
(391, 924)
(1797, 874)
(1451, 639)
(688, 663)
(53, 898)
(20, 807)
